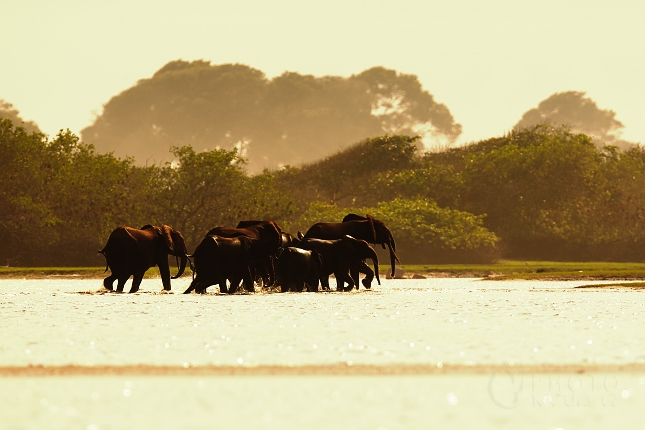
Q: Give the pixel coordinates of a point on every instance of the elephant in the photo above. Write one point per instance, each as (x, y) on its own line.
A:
(269, 241)
(131, 252)
(340, 257)
(367, 228)
(298, 268)
(218, 259)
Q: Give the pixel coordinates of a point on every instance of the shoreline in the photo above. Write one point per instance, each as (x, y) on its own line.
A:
(340, 369)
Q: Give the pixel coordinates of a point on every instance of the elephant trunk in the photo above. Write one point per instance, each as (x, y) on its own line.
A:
(393, 256)
(374, 258)
(182, 267)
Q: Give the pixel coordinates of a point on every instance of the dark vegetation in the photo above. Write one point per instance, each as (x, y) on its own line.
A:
(543, 194)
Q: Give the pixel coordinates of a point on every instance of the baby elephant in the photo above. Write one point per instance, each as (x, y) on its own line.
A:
(298, 268)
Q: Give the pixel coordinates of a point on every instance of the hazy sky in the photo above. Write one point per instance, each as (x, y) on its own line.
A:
(487, 61)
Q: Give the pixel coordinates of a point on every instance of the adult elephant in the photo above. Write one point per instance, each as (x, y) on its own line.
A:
(218, 259)
(366, 228)
(342, 257)
(269, 241)
(131, 252)
(299, 268)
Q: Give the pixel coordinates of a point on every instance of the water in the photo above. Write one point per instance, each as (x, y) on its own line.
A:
(435, 321)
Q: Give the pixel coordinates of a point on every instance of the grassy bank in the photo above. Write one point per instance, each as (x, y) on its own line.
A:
(503, 270)
(532, 270)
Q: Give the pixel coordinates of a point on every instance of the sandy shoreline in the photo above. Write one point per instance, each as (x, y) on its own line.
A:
(317, 370)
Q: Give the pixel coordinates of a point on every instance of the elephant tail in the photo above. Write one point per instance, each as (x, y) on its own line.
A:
(107, 265)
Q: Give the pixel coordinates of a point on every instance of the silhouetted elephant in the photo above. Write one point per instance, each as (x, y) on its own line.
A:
(269, 241)
(365, 228)
(218, 259)
(298, 268)
(131, 252)
(340, 257)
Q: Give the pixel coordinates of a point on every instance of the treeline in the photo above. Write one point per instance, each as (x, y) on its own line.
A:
(543, 193)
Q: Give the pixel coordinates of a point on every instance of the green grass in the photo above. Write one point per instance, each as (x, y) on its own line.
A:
(533, 270)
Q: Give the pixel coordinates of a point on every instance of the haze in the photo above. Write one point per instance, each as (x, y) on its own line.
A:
(488, 62)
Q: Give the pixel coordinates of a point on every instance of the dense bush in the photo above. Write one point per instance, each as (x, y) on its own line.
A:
(424, 232)
(543, 193)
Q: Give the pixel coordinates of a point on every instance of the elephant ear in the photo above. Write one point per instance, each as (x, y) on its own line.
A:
(354, 217)
(166, 232)
(317, 258)
(372, 230)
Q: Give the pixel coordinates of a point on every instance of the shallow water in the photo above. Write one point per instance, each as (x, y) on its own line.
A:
(452, 321)
(457, 321)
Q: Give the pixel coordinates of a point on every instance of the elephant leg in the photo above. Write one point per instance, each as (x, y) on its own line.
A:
(223, 288)
(121, 284)
(299, 285)
(247, 279)
(235, 282)
(341, 278)
(354, 273)
(369, 275)
(109, 281)
(324, 283)
(136, 282)
(312, 284)
(164, 271)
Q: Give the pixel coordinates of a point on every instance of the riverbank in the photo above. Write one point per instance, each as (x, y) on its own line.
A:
(503, 270)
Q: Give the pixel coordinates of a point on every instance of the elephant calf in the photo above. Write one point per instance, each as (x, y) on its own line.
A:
(298, 268)
(131, 252)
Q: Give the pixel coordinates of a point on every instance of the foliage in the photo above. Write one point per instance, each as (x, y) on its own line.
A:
(581, 114)
(421, 228)
(7, 111)
(57, 198)
(288, 120)
(344, 178)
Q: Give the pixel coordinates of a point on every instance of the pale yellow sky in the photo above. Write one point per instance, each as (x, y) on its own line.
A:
(487, 61)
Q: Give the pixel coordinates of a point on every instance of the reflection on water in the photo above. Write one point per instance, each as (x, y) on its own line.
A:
(457, 321)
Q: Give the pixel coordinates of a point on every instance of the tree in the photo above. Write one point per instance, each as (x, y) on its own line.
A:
(580, 114)
(7, 111)
(423, 231)
(287, 120)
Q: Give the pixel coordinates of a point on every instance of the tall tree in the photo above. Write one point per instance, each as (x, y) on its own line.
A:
(291, 119)
(7, 111)
(580, 114)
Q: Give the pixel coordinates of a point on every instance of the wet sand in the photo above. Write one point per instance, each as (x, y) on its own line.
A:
(318, 370)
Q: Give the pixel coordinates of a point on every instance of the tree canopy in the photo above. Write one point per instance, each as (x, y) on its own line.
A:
(288, 120)
(7, 111)
(580, 114)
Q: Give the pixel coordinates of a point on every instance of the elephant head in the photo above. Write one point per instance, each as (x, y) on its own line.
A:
(378, 234)
(175, 245)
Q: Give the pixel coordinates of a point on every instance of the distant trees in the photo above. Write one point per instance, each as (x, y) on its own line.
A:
(7, 111)
(540, 193)
(287, 120)
(546, 192)
(580, 114)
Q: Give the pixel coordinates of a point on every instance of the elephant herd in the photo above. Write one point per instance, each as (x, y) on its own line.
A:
(254, 251)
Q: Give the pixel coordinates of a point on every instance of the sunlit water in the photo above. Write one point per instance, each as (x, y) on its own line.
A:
(405, 321)
(451, 321)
